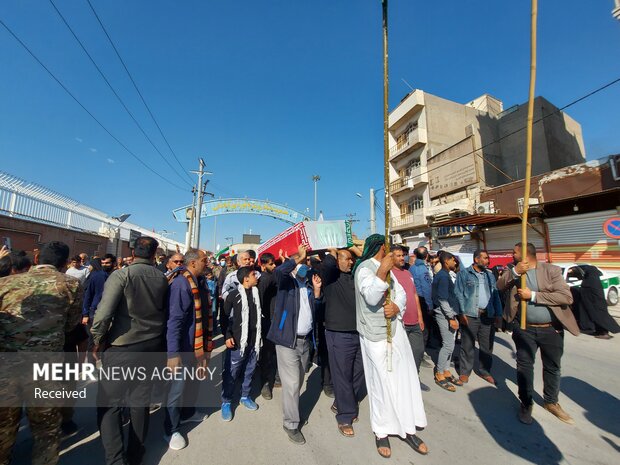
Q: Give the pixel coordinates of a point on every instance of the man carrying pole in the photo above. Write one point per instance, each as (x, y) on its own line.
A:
(396, 406)
(542, 297)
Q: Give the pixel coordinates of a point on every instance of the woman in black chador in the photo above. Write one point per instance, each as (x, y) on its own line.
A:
(591, 307)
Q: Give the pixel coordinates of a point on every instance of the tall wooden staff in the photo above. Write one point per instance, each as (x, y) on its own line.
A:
(386, 170)
(528, 157)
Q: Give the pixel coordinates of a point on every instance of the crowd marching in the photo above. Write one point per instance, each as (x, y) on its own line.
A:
(276, 316)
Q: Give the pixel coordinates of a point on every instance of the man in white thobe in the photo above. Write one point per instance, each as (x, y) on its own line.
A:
(396, 406)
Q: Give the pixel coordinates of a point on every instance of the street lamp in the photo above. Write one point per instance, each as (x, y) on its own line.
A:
(121, 219)
(316, 178)
(229, 238)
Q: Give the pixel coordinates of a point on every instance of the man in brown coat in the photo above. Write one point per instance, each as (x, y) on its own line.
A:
(548, 314)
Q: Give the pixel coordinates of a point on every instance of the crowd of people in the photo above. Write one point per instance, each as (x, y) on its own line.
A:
(370, 318)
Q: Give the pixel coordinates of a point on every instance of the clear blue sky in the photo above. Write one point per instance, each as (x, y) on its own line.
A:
(272, 92)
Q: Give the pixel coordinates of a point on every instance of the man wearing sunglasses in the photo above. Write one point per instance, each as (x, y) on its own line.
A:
(175, 262)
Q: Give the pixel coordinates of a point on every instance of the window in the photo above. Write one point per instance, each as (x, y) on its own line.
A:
(403, 138)
(411, 205)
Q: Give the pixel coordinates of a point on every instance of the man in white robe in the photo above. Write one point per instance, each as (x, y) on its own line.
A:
(396, 406)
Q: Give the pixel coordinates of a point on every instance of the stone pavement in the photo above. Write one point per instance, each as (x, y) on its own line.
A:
(477, 424)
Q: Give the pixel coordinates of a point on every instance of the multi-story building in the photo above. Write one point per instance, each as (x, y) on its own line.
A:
(442, 153)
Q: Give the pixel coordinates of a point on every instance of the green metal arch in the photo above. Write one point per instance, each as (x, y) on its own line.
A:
(237, 206)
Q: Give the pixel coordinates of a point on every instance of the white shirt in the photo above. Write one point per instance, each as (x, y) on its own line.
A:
(80, 273)
(304, 319)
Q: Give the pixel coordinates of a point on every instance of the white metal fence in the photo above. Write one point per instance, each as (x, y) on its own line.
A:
(29, 201)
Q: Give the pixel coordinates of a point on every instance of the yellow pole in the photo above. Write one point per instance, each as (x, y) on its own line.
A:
(386, 168)
(528, 157)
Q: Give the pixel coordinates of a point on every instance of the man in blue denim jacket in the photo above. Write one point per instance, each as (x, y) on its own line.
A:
(480, 309)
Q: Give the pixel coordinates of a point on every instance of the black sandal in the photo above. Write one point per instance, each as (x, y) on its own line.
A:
(445, 384)
(415, 443)
(452, 379)
(383, 443)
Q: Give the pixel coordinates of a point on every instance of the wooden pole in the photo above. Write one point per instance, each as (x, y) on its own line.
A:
(528, 156)
(386, 169)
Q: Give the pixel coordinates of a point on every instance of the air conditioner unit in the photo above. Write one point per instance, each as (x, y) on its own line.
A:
(486, 207)
(410, 183)
(397, 239)
(533, 201)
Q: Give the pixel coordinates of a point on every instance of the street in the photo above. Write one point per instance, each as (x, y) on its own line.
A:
(477, 424)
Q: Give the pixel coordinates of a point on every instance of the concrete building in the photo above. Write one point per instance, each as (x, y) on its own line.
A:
(442, 153)
(571, 217)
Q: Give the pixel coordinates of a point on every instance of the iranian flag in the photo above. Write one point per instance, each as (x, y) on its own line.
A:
(316, 235)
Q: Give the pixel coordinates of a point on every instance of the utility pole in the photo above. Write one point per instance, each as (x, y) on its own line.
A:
(215, 235)
(373, 222)
(316, 178)
(190, 227)
(199, 200)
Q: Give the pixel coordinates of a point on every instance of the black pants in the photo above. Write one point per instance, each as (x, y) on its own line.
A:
(480, 329)
(267, 361)
(347, 367)
(432, 338)
(323, 357)
(417, 343)
(551, 344)
(136, 394)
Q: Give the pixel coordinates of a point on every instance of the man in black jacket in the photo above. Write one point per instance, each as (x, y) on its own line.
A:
(241, 326)
(343, 343)
(267, 290)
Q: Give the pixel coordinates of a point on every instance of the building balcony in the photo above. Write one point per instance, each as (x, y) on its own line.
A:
(409, 106)
(414, 140)
(415, 179)
(408, 220)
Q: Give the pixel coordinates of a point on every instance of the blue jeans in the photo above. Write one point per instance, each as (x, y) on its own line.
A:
(181, 397)
(236, 365)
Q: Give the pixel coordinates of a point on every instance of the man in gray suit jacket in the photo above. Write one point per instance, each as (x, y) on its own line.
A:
(548, 314)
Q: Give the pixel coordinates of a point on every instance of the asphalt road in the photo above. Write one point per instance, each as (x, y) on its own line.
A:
(477, 424)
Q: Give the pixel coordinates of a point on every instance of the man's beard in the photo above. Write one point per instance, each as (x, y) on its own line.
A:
(107, 269)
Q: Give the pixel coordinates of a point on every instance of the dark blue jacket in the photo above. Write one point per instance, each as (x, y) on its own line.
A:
(181, 326)
(93, 293)
(283, 329)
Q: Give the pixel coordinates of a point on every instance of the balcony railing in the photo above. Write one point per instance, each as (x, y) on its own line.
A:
(415, 177)
(409, 219)
(413, 139)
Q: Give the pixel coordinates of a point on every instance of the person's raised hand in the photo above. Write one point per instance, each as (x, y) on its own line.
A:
(302, 251)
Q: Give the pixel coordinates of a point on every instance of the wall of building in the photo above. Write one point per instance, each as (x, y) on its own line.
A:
(28, 235)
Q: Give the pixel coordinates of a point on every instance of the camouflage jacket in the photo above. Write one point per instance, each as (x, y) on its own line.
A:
(37, 308)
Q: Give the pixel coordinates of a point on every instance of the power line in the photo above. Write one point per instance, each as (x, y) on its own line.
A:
(84, 108)
(118, 97)
(148, 109)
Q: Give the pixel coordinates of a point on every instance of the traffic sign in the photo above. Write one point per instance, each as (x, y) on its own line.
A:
(611, 227)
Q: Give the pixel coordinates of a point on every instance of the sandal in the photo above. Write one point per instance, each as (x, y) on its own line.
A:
(346, 430)
(416, 444)
(452, 379)
(383, 443)
(445, 384)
